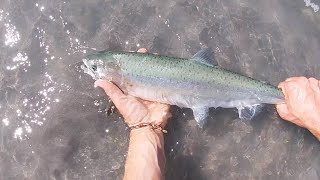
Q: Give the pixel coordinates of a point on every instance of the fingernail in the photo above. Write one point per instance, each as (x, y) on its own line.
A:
(142, 50)
(96, 83)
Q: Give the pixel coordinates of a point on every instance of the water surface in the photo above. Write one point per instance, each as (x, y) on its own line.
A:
(54, 123)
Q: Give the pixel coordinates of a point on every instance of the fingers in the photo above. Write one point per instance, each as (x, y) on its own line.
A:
(301, 96)
(281, 85)
(297, 79)
(145, 102)
(293, 84)
(288, 88)
(284, 112)
(115, 94)
(142, 50)
(286, 115)
(314, 84)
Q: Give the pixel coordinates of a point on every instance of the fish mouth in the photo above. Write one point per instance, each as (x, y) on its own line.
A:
(86, 69)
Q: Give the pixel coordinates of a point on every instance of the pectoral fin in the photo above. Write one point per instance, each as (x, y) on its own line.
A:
(201, 115)
(248, 112)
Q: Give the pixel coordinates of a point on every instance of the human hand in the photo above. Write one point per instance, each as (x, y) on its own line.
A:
(136, 111)
(302, 101)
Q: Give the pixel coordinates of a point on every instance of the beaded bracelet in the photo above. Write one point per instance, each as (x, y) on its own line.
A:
(153, 126)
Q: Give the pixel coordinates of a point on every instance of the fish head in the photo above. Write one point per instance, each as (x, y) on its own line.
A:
(100, 66)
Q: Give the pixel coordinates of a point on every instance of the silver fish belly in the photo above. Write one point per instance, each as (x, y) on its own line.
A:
(197, 83)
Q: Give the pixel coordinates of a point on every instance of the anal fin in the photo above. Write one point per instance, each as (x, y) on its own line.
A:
(201, 115)
(248, 112)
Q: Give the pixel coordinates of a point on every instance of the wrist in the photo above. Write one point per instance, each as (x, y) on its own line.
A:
(146, 159)
(146, 135)
(145, 131)
(313, 124)
(153, 126)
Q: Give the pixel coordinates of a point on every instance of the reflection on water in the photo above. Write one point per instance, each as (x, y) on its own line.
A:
(54, 123)
(19, 60)
(314, 6)
(11, 35)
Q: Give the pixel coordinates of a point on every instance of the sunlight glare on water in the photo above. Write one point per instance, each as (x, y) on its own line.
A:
(314, 6)
(54, 124)
(21, 59)
(12, 36)
(32, 111)
(5, 121)
(37, 107)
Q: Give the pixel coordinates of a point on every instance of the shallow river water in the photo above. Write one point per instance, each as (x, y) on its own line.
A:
(53, 122)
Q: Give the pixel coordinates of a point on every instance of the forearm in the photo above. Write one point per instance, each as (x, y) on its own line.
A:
(146, 159)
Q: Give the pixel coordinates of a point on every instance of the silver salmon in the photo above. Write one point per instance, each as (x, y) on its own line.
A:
(197, 83)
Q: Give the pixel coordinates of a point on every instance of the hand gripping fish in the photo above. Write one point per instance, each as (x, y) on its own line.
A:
(197, 83)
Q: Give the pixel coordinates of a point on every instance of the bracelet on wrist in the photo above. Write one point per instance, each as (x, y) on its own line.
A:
(153, 126)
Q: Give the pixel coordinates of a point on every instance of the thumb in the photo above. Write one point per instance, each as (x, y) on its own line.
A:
(315, 86)
(284, 113)
(115, 94)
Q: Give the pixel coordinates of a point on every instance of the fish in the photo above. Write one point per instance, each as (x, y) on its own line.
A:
(198, 83)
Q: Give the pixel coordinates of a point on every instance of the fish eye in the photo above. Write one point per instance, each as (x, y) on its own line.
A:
(94, 67)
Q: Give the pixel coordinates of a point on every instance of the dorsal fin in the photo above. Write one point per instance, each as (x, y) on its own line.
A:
(205, 56)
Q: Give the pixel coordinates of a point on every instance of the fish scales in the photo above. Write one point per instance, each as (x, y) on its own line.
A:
(196, 83)
(184, 70)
